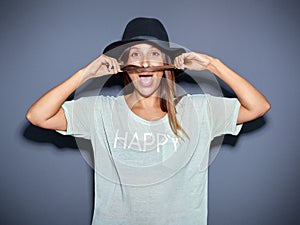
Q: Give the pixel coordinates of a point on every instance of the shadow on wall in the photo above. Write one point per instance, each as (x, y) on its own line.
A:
(39, 135)
(247, 127)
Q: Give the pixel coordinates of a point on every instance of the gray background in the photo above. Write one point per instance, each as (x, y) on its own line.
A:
(43, 177)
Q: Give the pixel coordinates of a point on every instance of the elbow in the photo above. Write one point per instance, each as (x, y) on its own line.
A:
(33, 119)
(254, 113)
(267, 107)
(30, 118)
(263, 109)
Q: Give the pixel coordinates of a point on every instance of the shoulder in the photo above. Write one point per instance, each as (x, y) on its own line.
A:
(97, 99)
(207, 98)
(86, 103)
(206, 101)
(193, 99)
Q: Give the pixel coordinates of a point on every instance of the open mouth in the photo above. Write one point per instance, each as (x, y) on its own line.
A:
(145, 75)
(145, 80)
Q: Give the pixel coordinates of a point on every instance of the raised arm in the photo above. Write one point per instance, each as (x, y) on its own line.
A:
(47, 111)
(253, 103)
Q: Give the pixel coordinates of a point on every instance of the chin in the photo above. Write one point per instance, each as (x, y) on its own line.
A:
(147, 92)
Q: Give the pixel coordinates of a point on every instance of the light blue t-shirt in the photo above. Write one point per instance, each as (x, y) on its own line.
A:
(144, 174)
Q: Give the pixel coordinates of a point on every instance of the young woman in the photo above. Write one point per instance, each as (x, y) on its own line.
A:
(150, 145)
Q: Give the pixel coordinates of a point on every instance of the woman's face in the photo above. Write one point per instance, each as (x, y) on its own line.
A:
(145, 55)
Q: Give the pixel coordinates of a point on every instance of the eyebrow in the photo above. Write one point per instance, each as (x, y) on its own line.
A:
(140, 48)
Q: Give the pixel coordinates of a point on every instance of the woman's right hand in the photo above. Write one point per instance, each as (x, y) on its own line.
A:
(103, 65)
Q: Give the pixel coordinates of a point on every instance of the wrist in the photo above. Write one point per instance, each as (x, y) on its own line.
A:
(213, 64)
(81, 76)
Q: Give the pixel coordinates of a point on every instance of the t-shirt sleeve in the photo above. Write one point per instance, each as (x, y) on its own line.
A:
(79, 114)
(223, 114)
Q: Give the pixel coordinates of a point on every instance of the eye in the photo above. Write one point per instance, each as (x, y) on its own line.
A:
(135, 54)
(155, 53)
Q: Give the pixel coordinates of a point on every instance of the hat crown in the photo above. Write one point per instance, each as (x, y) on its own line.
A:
(147, 27)
(143, 30)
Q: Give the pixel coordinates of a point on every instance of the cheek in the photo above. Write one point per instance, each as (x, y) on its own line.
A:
(159, 74)
(130, 60)
(133, 76)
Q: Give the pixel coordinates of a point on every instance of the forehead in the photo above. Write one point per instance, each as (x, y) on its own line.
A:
(143, 47)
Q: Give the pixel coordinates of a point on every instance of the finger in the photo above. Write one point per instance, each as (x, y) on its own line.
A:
(104, 62)
(181, 61)
(186, 57)
(113, 67)
(109, 65)
(119, 68)
(176, 64)
(116, 66)
(190, 55)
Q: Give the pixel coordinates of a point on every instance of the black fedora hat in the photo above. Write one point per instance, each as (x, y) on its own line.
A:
(141, 30)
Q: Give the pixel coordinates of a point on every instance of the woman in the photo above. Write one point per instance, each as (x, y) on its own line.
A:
(150, 146)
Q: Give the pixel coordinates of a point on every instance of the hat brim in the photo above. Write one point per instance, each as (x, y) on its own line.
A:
(116, 49)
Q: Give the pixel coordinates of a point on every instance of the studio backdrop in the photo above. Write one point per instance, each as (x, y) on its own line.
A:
(254, 178)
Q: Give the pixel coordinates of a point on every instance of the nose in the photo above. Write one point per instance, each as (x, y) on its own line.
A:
(145, 63)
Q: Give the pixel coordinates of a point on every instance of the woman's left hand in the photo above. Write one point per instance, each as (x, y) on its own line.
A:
(192, 61)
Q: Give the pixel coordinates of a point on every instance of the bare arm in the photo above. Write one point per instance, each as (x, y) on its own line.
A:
(253, 103)
(47, 111)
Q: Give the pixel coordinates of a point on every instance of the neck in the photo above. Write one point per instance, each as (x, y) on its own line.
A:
(136, 100)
